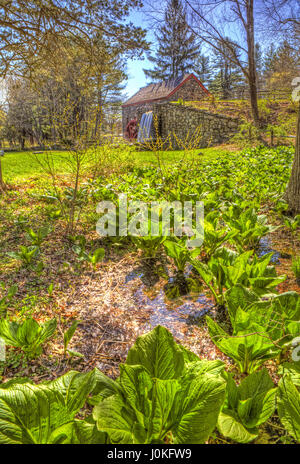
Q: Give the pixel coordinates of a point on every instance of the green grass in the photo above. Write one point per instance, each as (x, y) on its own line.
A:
(17, 166)
(22, 166)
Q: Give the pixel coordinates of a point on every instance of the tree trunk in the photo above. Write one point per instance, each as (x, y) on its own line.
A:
(292, 194)
(252, 75)
(2, 184)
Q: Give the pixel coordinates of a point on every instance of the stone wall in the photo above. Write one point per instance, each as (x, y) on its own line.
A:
(189, 91)
(185, 122)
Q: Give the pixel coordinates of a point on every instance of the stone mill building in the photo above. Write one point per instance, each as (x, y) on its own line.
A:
(162, 100)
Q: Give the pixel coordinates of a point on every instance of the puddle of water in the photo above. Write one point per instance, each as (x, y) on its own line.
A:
(133, 275)
(265, 247)
(180, 313)
(177, 315)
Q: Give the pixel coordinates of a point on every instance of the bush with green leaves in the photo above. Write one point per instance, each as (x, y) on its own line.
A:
(46, 413)
(149, 244)
(248, 228)
(247, 406)
(26, 254)
(38, 237)
(163, 391)
(227, 268)
(261, 329)
(278, 316)
(29, 335)
(215, 236)
(179, 252)
(292, 223)
(79, 248)
(7, 298)
(288, 404)
(21, 221)
(249, 347)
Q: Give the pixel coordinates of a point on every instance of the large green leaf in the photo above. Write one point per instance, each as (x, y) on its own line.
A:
(247, 406)
(42, 413)
(136, 386)
(31, 413)
(199, 404)
(115, 418)
(74, 387)
(288, 404)
(80, 432)
(231, 427)
(158, 353)
(203, 366)
(260, 389)
(103, 388)
(188, 355)
(293, 369)
(249, 348)
(239, 297)
(164, 408)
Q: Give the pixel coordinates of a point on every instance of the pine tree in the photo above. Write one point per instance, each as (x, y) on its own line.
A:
(259, 66)
(281, 65)
(227, 78)
(177, 48)
(269, 59)
(203, 69)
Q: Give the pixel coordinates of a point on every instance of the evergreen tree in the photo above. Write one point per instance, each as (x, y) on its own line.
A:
(227, 77)
(203, 69)
(177, 48)
(281, 67)
(259, 62)
(269, 60)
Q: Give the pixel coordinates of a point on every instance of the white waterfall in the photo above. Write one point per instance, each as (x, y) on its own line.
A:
(145, 127)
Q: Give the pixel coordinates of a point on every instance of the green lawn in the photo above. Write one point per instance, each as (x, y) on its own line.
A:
(23, 165)
(17, 166)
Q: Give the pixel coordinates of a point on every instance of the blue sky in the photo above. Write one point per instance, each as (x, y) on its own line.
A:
(136, 76)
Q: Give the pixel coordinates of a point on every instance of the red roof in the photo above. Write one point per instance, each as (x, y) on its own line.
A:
(162, 90)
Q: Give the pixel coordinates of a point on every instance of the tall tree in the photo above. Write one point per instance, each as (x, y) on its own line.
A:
(67, 59)
(207, 22)
(292, 194)
(177, 48)
(203, 69)
(227, 76)
(269, 60)
(60, 103)
(35, 31)
(285, 16)
(280, 67)
(259, 64)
